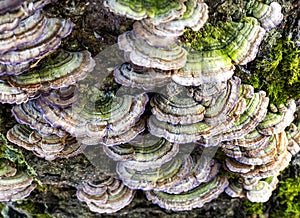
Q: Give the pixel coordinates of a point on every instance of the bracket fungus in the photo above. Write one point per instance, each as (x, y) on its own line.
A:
(9, 5)
(268, 15)
(157, 11)
(62, 98)
(29, 113)
(48, 147)
(212, 55)
(99, 118)
(213, 52)
(143, 152)
(14, 185)
(140, 53)
(59, 70)
(176, 109)
(12, 95)
(13, 11)
(136, 77)
(189, 65)
(162, 177)
(235, 113)
(105, 195)
(207, 92)
(253, 189)
(191, 199)
(202, 170)
(293, 135)
(155, 44)
(32, 39)
(277, 122)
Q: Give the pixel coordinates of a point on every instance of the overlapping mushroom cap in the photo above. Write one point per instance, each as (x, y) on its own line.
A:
(234, 113)
(203, 169)
(154, 44)
(34, 37)
(244, 121)
(222, 105)
(27, 36)
(98, 117)
(139, 52)
(261, 153)
(207, 92)
(163, 34)
(275, 157)
(12, 95)
(144, 152)
(216, 49)
(194, 198)
(48, 147)
(268, 15)
(194, 17)
(14, 185)
(156, 11)
(105, 194)
(254, 189)
(165, 176)
(29, 113)
(137, 77)
(56, 71)
(62, 98)
(212, 54)
(191, 167)
(277, 122)
(12, 12)
(219, 112)
(177, 109)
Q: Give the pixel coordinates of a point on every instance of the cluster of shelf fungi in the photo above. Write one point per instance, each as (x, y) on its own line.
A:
(171, 109)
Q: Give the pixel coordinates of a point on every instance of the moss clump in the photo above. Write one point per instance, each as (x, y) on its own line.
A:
(34, 209)
(289, 198)
(212, 37)
(253, 208)
(279, 74)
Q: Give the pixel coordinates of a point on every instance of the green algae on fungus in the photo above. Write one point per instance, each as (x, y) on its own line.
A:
(157, 11)
(213, 52)
(279, 74)
(56, 71)
(234, 39)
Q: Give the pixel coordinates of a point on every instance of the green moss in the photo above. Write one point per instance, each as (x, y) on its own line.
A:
(253, 208)
(152, 8)
(279, 74)
(211, 37)
(289, 198)
(34, 209)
